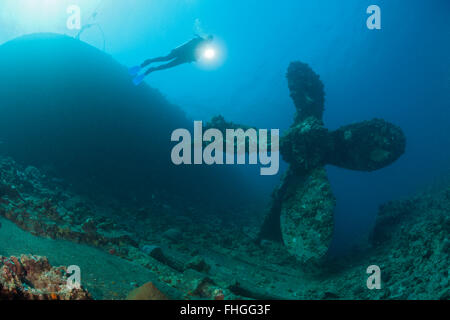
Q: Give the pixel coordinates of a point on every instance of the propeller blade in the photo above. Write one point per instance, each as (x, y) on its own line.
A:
(367, 146)
(306, 218)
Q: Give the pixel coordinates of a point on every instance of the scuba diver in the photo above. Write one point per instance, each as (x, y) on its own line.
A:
(186, 53)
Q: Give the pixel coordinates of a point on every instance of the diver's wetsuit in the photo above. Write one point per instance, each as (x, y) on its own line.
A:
(185, 53)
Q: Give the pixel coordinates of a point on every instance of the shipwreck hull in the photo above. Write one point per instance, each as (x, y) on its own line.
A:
(67, 105)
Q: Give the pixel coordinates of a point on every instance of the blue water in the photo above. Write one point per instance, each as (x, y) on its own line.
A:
(400, 73)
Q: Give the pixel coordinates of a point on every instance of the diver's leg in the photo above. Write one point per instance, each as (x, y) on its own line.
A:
(140, 78)
(169, 65)
(170, 56)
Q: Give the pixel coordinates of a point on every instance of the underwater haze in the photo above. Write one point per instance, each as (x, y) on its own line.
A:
(400, 73)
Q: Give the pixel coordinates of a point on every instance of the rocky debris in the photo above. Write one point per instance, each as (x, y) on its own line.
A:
(410, 243)
(89, 226)
(147, 291)
(158, 254)
(153, 251)
(327, 295)
(43, 211)
(411, 240)
(248, 290)
(43, 218)
(33, 278)
(9, 191)
(199, 285)
(199, 264)
(173, 234)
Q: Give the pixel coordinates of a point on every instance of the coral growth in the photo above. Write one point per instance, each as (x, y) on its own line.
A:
(33, 278)
(307, 91)
(304, 216)
(366, 146)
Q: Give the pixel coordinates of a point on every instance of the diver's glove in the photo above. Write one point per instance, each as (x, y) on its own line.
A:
(138, 79)
(133, 71)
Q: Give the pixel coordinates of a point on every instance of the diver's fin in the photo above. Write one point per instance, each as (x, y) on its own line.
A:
(138, 79)
(134, 70)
